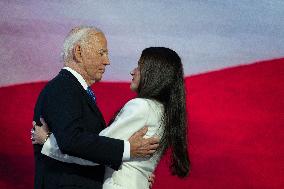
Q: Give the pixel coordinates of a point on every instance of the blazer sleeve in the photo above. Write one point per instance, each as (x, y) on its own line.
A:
(64, 115)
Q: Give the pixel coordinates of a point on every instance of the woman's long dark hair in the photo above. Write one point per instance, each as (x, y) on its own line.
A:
(162, 79)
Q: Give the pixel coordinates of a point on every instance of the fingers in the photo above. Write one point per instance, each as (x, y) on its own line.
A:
(150, 152)
(149, 147)
(42, 121)
(34, 142)
(153, 140)
(138, 135)
(37, 130)
(151, 180)
(151, 143)
(152, 177)
(146, 150)
(150, 184)
(142, 147)
(34, 124)
(32, 131)
(142, 131)
(44, 125)
(153, 146)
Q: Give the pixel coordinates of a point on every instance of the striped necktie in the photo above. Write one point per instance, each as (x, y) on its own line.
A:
(91, 94)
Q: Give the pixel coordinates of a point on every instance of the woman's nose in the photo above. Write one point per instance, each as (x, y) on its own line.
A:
(132, 72)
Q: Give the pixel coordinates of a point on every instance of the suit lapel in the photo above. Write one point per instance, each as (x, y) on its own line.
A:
(92, 104)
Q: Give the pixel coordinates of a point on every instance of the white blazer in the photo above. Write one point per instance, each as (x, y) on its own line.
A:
(134, 173)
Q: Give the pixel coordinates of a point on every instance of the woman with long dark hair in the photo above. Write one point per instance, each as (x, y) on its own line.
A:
(160, 105)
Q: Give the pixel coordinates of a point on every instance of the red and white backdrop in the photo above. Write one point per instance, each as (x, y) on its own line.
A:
(233, 56)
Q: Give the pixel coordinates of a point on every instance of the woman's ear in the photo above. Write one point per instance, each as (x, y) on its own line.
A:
(77, 53)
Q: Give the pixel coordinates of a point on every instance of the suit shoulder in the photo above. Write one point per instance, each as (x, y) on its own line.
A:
(60, 80)
(61, 84)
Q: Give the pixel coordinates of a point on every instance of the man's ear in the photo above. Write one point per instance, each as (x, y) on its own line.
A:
(77, 53)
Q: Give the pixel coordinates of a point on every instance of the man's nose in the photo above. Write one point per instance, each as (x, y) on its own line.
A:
(106, 60)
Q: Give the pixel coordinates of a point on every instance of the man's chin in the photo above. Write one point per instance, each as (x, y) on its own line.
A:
(98, 79)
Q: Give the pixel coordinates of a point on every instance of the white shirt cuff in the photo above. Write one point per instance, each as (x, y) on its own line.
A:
(126, 153)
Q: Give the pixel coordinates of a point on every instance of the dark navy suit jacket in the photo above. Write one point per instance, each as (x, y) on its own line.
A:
(75, 121)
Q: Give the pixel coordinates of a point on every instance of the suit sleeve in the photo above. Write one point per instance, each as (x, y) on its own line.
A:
(131, 118)
(51, 149)
(65, 117)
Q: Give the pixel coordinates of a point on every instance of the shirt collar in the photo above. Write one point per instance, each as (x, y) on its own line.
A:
(78, 77)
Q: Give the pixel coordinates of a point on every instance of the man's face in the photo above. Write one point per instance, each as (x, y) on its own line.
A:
(94, 57)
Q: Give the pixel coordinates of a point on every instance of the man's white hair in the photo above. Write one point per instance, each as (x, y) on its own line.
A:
(77, 35)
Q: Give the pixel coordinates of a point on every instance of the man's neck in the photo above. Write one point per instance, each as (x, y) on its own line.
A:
(80, 71)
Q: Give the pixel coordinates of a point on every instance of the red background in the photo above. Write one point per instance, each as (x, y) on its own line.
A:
(236, 121)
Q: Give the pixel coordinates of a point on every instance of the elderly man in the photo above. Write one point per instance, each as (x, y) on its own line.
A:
(68, 106)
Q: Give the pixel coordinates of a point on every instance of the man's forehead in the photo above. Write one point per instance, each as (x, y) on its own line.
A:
(97, 41)
(97, 38)
(96, 35)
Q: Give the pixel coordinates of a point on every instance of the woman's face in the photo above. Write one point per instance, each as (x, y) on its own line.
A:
(135, 79)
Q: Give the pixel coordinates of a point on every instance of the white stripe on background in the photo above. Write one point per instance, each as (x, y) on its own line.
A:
(208, 35)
